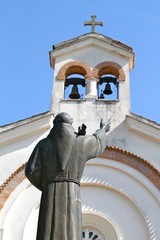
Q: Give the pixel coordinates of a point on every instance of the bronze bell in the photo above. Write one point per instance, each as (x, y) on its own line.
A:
(74, 93)
(101, 95)
(107, 89)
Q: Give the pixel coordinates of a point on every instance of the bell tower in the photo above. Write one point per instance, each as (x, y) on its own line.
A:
(91, 78)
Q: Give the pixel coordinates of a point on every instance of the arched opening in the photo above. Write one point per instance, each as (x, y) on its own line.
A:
(74, 74)
(109, 68)
(108, 87)
(97, 227)
(74, 87)
(91, 234)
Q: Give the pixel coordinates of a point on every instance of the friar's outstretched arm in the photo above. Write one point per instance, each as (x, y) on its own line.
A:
(95, 144)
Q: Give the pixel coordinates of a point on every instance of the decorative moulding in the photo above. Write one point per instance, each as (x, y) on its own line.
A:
(98, 182)
(25, 129)
(114, 153)
(104, 224)
(96, 40)
(149, 131)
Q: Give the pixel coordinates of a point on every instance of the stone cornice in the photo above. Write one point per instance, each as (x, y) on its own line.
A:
(26, 128)
(96, 36)
(144, 128)
(92, 39)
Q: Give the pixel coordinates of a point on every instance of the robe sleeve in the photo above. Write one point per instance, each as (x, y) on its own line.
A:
(33, 169)
(95, 144)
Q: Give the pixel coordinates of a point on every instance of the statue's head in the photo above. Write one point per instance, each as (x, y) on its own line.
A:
(63, 118)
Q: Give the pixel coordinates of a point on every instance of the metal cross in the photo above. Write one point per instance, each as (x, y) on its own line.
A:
(93, 23)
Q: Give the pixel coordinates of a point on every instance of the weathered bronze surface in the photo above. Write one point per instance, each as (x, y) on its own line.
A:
(55, 167)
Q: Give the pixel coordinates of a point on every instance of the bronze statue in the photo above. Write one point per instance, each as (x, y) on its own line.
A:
(55, 167)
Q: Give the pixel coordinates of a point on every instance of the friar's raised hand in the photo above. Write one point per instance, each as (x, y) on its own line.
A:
(105, 125)
(82, 130)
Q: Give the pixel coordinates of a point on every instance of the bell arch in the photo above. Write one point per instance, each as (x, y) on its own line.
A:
(113, 153)
(107, 67)
(74, 67)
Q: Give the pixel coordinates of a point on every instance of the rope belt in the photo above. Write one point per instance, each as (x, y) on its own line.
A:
(62, 179)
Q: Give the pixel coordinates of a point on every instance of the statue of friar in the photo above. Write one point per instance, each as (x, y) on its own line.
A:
(55, 167)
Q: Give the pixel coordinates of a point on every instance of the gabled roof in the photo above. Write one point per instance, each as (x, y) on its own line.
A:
(145, 120)
(27, 127)
(92, 38)
(93, 35)
(144, 127)
(22, 122)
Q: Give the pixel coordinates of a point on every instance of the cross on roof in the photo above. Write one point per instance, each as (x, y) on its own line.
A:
(93, 23)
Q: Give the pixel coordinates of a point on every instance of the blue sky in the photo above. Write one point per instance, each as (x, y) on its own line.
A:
(29, 28)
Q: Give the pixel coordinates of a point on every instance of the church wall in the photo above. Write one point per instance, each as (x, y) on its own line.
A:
(123, 195)
(112, 191)
(18, 142)
(91, 55)
(90, 113)
(140, 145)
(15, 154)
(126, 196)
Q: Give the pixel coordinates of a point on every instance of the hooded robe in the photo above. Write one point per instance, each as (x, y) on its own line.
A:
(55, 167)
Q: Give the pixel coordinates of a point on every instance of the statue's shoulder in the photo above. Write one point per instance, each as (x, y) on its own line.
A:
(45, 142)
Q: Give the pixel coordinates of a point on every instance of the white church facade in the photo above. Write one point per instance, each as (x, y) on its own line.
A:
(120, 190)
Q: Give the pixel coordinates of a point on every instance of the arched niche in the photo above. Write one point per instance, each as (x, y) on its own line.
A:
(74, 75)
(75, 86)
(73, 67)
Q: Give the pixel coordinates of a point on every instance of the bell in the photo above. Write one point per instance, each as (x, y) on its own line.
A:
(74, 93)
(101, 95)
(107, 89)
